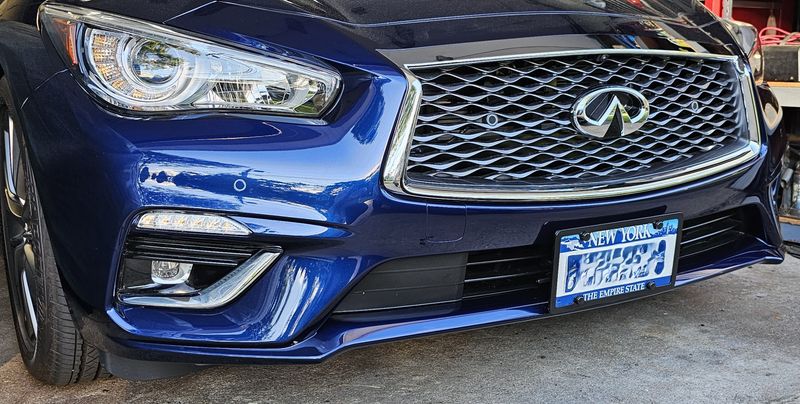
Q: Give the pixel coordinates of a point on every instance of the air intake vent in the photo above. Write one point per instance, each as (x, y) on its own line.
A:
(508, 271)
(515, 274)
(200, 261)
(189, 250)
(709, 232)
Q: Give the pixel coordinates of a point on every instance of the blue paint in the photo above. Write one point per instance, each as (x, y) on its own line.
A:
(315, 186)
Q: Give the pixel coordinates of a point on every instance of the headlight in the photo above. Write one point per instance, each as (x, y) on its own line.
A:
(143, 66)
(747, 37)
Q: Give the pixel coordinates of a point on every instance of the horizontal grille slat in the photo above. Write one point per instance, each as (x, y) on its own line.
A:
(710, 232)
(500, 291)
(190, 250)
(695, 117)
(507, 271)
(698, 230)
(696, 225)
(189, 259)
(501, 277)
(500, 260)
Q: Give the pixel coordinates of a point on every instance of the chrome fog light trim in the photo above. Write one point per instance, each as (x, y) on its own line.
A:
(192, 223)
(218, 294)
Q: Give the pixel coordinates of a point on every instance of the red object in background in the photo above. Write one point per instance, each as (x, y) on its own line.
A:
(784, 14)
(780, 37)
(758, 16)
(715, 6)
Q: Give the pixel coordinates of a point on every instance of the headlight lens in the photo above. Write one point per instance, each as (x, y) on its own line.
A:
(137, 72)
(142, 66)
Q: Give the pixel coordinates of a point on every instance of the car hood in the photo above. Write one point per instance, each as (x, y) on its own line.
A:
(361, 33)
(386, 12)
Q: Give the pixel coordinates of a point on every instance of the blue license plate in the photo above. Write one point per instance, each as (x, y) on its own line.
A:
(619, 261)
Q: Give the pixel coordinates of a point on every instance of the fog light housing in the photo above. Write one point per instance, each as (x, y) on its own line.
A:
(170, 272)
(184, 270)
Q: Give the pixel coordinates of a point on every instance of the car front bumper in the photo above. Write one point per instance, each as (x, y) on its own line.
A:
(315, 190)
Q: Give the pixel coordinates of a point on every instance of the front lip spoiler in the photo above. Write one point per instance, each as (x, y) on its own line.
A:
(337, 336)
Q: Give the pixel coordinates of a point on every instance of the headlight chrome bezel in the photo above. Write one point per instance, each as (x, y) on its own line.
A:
(69, 27)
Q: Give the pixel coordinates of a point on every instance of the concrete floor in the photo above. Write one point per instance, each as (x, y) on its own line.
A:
(735, 338)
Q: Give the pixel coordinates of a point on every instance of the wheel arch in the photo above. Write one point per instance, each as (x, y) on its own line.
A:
(26, 59)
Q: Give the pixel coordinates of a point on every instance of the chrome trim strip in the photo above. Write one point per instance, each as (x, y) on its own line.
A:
(218, 294)
(712, 56)
(751, 106)
(394, 171)
(394, 175)
(523, 196)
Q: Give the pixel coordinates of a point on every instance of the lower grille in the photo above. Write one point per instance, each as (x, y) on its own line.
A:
(409, 282)
(507, 271)
(707, 233)
(522, 273)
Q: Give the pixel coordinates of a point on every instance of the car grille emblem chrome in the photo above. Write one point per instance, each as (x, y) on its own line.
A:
(611, 112)
(492, 120)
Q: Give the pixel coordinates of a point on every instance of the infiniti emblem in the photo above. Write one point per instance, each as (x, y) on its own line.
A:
(611, 112)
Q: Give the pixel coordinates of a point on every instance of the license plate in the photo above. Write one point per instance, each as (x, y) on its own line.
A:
(613, 262)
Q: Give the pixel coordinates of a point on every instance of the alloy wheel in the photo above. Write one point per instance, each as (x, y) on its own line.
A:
(19, 236)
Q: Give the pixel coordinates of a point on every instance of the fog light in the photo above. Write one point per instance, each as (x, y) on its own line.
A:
(170, 272)
(192, 223)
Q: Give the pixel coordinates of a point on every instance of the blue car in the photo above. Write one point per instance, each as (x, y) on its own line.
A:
(192, 182)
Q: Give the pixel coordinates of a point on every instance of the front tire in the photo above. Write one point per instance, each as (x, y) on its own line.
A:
(49, 342)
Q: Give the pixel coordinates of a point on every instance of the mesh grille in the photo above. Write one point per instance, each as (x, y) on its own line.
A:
(509, 123)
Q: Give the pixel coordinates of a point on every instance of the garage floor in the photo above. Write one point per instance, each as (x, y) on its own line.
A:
(733, 338)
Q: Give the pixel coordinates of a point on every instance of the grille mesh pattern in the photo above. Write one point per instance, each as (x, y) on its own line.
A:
(695, 116)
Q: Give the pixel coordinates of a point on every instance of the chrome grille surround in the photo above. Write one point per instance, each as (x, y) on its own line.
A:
(535, 129)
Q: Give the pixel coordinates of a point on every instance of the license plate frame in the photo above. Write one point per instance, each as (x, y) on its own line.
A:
(560, 272)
